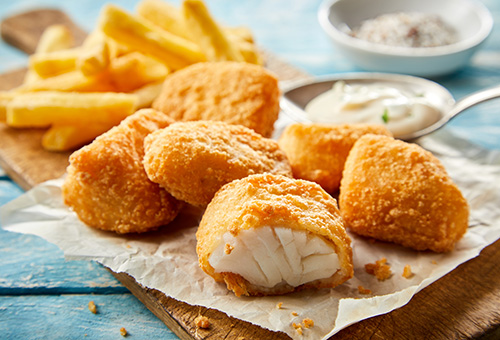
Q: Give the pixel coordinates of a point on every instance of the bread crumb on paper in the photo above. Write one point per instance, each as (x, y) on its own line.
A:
(298, 328)
(279, 305)
(363, 290)
(202, 322)
(295, 313)
(92, 307)
(380, 269)
(407, 273)
(308, 323)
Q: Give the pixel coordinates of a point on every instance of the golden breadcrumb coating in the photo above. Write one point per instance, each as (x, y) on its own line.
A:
(274, 201)
(107, 186)
(317, 152)
(398, 192)
(234, 92)
(192, 160)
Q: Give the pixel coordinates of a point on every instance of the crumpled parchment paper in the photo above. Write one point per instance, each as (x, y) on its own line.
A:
(166, 259)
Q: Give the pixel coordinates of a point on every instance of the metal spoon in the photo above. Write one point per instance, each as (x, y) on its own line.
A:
(296, 95)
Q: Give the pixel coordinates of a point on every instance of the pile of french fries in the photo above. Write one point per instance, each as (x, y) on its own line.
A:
(80, 92)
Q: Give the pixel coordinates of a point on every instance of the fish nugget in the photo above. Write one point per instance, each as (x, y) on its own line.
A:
(107, 186)
(269, 234)
(317, 152)
(398, 192)
(192, 160)
(233, 92)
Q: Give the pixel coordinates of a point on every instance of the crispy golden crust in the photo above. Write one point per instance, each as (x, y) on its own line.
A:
(237, 93)
(398, 192)
(317, 152)
(275, 201)
(106, 183)
(192, 160)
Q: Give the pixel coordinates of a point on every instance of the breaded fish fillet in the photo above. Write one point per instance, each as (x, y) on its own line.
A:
(317, 152)
(233, 92)
(107, 186)
(192, 160)
(398, 192)
(269, 234)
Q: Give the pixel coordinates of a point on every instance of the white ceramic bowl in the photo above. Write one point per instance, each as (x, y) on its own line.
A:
(471, 19)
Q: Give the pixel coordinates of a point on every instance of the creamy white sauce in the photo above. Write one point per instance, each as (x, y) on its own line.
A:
(400, 111)
(268, 256)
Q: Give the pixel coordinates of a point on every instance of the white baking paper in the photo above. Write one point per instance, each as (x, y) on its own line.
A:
(166, 260)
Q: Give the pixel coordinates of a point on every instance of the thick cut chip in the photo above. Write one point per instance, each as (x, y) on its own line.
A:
(41, 109)
(142, 36)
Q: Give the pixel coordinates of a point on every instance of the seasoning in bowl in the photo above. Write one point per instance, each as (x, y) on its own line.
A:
(407, 29)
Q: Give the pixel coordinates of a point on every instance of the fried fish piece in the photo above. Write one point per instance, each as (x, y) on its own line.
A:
(233, 92)
(269, 234)
(317, 152)
(192, 160)
(107, 186)
(398, 192)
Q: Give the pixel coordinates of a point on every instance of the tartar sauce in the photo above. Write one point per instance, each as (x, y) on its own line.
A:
(400, 111)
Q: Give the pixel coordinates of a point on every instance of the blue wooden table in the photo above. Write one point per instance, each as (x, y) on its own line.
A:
(42, 296)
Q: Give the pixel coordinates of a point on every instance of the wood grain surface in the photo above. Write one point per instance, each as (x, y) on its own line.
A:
(462, 305)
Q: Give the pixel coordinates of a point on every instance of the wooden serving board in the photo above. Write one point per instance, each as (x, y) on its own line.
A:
(463, 304)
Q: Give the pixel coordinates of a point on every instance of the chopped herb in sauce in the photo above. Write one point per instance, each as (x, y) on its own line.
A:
(385, 116)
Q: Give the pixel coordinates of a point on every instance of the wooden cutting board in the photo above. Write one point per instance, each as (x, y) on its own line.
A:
(463, 304)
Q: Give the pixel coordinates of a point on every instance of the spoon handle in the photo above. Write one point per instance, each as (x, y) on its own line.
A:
(471, 100)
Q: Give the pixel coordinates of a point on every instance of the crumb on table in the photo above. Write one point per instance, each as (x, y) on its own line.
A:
(295, 313)
(279, 305)
(202, 322)
(123, 331)
(380, 269)
(92, 307)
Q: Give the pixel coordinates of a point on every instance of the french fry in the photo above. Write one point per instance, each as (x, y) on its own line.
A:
(55, 38)
(42, 109)
(250, 53)
(73, 81)
(5, 99)
(147, 38)
(70, 137)
(164, 15)
(239, 33)
(54, 63)
(147, 94)
(206, 32)
(134, 70)
(94, 60)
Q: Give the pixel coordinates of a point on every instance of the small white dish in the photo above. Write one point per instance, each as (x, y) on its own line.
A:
(470, 18)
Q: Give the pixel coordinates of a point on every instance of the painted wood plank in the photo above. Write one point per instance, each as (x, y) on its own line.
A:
(68, 317)
(31, 265)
